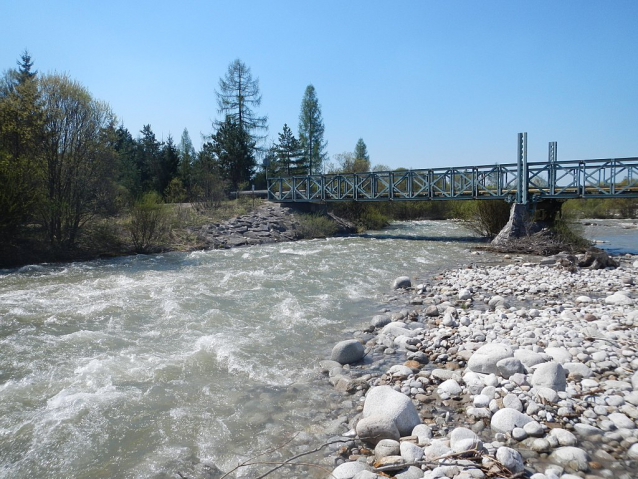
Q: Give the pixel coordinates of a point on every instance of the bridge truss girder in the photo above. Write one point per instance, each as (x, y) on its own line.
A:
(531, 182)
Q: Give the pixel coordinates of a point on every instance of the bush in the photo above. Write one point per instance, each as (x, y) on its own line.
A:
(316, 226)
(175, 192)
(365, 216)
(570, 232)
(372, 219)
(148, 223)
(484, 217)
(103, 236)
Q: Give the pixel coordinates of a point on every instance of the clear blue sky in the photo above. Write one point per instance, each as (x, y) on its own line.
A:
(424, 83)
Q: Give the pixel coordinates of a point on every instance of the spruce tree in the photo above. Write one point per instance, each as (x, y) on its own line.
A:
(361, 157)
(288, 152)
(234, 149)
(129, 173)
(22, 130)
(311, 130)
(186, 159)
(149, 160)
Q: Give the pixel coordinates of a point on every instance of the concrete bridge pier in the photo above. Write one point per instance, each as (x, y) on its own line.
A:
(525, 221)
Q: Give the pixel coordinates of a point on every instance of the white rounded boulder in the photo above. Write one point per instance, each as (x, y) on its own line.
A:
(550, 375)
(384, 401)
(485, 358)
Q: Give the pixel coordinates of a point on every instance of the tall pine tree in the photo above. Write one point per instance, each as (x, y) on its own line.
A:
(361, 157)
(186, 159)
(235, 152)
(22, 131)
(288, 152)
(311, 130)
(237, 97)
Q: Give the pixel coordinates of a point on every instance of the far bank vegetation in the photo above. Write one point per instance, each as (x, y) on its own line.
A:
(77, 184)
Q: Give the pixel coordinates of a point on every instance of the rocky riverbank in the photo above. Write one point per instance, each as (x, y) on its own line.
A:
(523, 370)
(269, 223)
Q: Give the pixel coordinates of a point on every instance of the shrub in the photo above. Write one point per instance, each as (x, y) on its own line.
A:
(365, 215)
(316, 226)
(570, 233)
(372, 219)
(148, 223)
(175, 192)
(484, 217)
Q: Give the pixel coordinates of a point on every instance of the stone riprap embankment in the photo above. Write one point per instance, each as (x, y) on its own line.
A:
(269, 223)
(521, 370)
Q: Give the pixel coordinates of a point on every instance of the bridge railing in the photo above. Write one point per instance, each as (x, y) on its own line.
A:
(596, 178)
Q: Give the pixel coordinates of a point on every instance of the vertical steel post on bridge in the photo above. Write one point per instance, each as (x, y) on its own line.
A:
(552, 159)
(523, 173)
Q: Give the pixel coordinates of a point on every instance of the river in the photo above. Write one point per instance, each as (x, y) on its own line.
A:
(144, 366)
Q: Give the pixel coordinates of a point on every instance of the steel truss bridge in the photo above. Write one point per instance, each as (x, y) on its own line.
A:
(520, 182)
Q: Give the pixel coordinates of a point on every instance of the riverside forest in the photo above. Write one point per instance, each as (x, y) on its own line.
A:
(77, 184)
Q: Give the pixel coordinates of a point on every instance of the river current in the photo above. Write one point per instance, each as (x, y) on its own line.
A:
(144, 366)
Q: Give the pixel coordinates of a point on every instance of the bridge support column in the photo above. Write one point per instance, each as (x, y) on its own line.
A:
(523, 222)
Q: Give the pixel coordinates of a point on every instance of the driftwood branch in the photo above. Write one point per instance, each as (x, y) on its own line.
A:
(287, 462)
(471, 454)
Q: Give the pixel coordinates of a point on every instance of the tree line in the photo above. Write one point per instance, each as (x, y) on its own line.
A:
(65, 159)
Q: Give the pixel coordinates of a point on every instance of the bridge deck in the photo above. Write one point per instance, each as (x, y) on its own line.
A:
(521, 182)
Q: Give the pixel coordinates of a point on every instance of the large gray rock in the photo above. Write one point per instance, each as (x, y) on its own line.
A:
(498, 302)
(621, 421)
(374, 428)
(450, 387)
(348, 470)
(474, 382)
(634, 380)
(485, 358)
(397, 328)
(550, 375)
(509, 366)
(571, 458)
(380, 320)
(560, 355)
(384, 401)
(436, 450)
(506, 419)
(619, 299)
(423, 432)
(411, 472)
(463, 439)
(511, 459)
(410, 452)
(578, 370)
(348, 351)
(402, 282)
(587, 431)
(528, 357)
(564, 437)
(387, 447)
